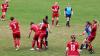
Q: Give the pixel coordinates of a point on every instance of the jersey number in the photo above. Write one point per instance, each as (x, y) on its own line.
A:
(72, 47)
(14, 26)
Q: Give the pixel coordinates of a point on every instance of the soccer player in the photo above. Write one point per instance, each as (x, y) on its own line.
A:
(14, 26)
(4, 8)
(46, 37)
(48, 29)
(55, 13)
(42, 35)
(86, 32)
(92, 36)
(35, 28)
(68, 13)
(72, 47)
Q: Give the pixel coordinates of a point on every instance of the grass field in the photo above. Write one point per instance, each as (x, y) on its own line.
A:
(34, 10)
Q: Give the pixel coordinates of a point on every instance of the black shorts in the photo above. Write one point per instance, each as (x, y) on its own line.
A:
(68, 15)
(46, 35)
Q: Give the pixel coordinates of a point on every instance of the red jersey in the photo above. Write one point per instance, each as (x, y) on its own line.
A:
(4, 6)
(94, 29)
(55, 9)
(14, 26)
(35, 28)
(44, 27)
(73, 48)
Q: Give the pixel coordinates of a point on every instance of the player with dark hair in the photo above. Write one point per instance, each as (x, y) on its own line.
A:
(55, 13)
(72, 47)
(4, 8)
(46, 37)
(14, 26)
(42, 35)
(92, 36)
(86, 32)
(35, 28)
(68, 13)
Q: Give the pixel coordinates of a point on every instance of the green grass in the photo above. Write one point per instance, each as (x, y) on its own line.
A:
(35, 10)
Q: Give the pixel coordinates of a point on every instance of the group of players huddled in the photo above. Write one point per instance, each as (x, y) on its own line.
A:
(41, 31)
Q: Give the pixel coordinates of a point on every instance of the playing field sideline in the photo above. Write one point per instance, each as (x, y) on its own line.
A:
(35, 10)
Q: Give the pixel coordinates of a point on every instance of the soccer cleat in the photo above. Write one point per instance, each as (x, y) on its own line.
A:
(91, 51)
(32, 49)
(46, 46)
(17, 48)
(81, 46)
(37, 48)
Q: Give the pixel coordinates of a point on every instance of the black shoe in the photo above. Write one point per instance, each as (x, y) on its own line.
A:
(91, 51)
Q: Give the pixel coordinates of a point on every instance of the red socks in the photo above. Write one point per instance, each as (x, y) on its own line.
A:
(44, 43)
(33, 44)
(90, 46)
(15, 43)
(18, 42)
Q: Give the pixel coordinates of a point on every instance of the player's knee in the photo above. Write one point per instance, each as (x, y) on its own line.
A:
(57, 18)
(39, 40)
(52, 19)
(3, 13)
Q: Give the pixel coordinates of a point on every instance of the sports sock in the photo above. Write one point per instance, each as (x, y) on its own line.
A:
(46, 43)
(18, 42)
(90, 46)
(86, 46)
(33, 44)
(52, 22)
(57, 22)
(81, 46)
(15, 43)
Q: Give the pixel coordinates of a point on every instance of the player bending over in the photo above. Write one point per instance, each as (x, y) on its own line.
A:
(4, 8)
(14, 26)
(86, 32)
(72, 47)
(35, 28)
